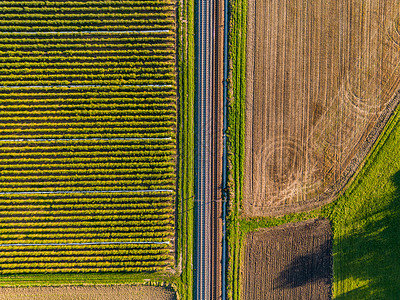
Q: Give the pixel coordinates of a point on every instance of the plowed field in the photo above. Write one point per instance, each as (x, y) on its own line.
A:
(288, 262)
(321, 83)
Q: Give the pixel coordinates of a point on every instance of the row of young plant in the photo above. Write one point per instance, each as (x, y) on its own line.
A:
(93, 23)
(83, 28)
(66, 44)
(86, 145)
(139, 66)
(142, 199)
(51, 222)
(141, 54)
(155, 98)
(12, 237)
(134, 7)
(121, 249)
(158, 207)
(88, 78)
(151, 159)
(89, 15)
(142, 57)
(73, 4)
(161, 111)
(53, 179)
(92, 128)
(50, 268)
(85, 150)
(92, 70)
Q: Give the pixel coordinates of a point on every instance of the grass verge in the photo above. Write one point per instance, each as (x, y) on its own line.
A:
(185, 197)
(236, 102)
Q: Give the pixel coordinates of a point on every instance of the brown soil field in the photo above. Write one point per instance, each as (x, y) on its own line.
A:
(97, 292)
(322, 81)
(291, 261)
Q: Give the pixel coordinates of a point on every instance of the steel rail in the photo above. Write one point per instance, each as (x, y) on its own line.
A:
(204, 142)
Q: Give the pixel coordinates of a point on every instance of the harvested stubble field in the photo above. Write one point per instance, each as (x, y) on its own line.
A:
(291, 261)
(115, 292)
(321, 83)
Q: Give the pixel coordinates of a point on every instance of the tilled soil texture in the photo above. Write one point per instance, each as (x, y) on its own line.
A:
(291, 261)
(322, 78)
(101, 292)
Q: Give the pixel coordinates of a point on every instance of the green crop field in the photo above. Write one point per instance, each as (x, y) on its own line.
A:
(87, 136)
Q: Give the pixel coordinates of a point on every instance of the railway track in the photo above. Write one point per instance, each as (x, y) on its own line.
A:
(209, 175)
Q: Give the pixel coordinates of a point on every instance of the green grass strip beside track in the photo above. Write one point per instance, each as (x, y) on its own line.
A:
(185, 191)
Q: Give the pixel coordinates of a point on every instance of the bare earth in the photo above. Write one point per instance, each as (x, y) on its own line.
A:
(291, 261)
(321, 83)
(98, 292)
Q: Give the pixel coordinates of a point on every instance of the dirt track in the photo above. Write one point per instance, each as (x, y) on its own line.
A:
(100, 292)
(321, 80)
(288, 262)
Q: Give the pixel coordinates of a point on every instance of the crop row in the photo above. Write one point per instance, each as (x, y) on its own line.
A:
(152, 200)
(158, 108)
(148, 127)
(21, 265)
(92, 70)
(132, 8)
(53, 179)
(92, 128)
(111, 81)
(147, 157)
(71, 210)
(98, 3)
(156, 207)
(72, 237)
(142, 54)
(65, 78)
(87, 16)
(140, 58)
(155, 99)
(88, 150)
(50, 268)
(150, 73)
(108, 65)
(83, 223)
(74, 46)
(154, 19)
(85, 116)
(36, 28)
(85, 143)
